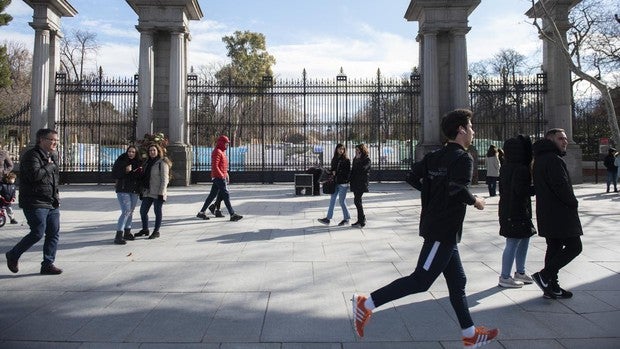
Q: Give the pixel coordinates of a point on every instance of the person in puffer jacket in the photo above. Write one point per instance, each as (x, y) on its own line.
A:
(219, 176)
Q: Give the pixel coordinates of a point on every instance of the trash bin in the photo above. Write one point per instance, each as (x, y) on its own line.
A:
(316, 177)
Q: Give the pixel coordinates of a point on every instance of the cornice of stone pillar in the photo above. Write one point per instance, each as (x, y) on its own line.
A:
(47, 13)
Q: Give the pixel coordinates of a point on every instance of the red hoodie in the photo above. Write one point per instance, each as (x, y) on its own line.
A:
(219, 161)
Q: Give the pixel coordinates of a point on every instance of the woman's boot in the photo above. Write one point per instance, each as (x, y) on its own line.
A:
(143, 232)
(119, 238)
(128, 235)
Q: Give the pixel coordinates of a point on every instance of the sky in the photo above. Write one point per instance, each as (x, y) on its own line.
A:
(320, 36)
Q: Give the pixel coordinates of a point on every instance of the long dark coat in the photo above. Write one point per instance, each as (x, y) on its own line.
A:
(556, 204)
(359, 174)
(515, 190)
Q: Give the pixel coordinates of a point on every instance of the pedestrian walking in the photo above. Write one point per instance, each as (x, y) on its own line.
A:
(340, 170)
(493, 167)
(154, 190)
(612, 169)
(39, 200)
(557, 213)
(7, 195)
(126, 171)
(515, 210)
(359, 181)
(443, 177)
(220, 178)
(6, 163)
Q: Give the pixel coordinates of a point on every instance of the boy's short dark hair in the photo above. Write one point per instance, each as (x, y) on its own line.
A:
(451, 122)
(10, 175)
(553, 131)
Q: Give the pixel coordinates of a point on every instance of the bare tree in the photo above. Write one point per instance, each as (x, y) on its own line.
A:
(75, 48)
(553, 35)
(17, 94)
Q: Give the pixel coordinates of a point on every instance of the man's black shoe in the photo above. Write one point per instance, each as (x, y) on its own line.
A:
(324, 221)
(218, 214)
(558, 291)
(14, 221)
(235, 217)
(11, 263)
(50, 270)
(545, 285)
(212, 208)
(155, 235)
(201, 215)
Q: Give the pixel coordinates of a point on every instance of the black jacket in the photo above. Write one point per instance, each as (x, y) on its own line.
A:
(38, 182)
(126, 182)
(7, 192)
(359, 174)
(556, 204)
(443, 177)
(515, 190)
(341, 166)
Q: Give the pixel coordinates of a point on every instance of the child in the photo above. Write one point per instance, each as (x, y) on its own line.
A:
(7, 194)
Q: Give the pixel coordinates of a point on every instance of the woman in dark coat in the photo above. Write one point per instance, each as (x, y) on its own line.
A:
(359, 181)
(515, 209)
(126, 171)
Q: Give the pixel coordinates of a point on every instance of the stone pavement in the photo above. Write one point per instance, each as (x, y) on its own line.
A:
(279, 279)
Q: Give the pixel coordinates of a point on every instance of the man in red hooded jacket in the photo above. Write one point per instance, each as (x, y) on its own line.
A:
(219, 176)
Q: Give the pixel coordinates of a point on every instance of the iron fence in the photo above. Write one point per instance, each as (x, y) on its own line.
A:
(286, 126)
(97, 120)
(505, 107)
(279, 127)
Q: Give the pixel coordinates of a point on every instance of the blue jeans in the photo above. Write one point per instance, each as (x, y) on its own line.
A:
(144, 212)
(515, 250)
(219, 189)
(435, 258)
(41, 221)
(128, 203)
(341, 194)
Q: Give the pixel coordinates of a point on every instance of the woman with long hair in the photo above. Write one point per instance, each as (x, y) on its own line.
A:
(154, 189)
(340, 170)
(126, 171)
(359, 181)
(493, 166)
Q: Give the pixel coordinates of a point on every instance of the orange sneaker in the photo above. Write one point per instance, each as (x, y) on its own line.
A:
(361, 315)
(481, 337)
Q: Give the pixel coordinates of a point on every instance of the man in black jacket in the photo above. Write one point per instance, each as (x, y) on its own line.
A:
(556, 211)
(38, 197)
(443, 177)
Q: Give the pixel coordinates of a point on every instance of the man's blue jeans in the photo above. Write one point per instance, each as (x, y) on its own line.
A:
(218, 189)
(42, 221)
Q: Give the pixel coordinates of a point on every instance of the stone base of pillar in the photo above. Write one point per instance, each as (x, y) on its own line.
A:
(574, 163)
(425, 148)
(181, 157)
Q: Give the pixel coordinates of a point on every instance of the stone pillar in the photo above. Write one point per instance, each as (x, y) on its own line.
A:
(163, 76)
(442, 30)
(179, 149)
(558, 98)
(45, 61)
(145, 82)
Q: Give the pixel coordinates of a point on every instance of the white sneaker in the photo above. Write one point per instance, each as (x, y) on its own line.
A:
(524, 278)
(509, 282)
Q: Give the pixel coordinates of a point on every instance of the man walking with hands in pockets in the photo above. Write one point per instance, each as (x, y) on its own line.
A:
(443, 177)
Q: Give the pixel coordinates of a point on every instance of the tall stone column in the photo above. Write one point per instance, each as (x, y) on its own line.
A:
(163, 25)
(558, 98)
(442, 30)
(179, 150)
(145, 83)
(45, 61)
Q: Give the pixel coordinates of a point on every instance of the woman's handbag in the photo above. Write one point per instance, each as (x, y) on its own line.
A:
(329, 186)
